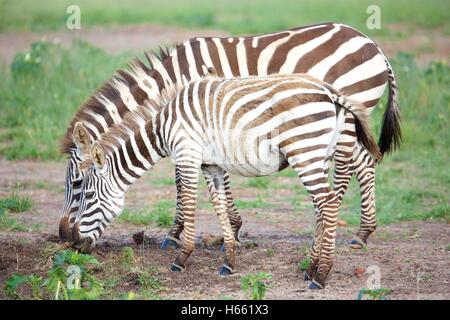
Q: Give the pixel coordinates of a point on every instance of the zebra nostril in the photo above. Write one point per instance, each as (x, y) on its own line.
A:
(64, 229)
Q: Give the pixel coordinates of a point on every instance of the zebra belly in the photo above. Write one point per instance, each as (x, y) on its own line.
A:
(246, 158)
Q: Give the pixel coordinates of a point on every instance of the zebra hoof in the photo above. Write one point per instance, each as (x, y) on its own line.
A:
(169, 243)
(357, 243)
(315, 285)
(238, 246)
(306, 277)
(176, 268)
(225, 270)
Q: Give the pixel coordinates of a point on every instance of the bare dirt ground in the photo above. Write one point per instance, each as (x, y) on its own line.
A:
(426, 44)
(274, 240)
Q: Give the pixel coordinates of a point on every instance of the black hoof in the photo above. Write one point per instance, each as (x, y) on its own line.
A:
(357, 243)
(306, 277)
(238, 246)
(176, 268)
(315, 285)
(225, 270)
(169, 243)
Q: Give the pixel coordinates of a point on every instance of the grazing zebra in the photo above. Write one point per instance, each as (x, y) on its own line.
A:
(333, 52)
(249, 126)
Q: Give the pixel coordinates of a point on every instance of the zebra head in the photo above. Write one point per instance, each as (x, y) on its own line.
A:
(101, 200)
(74, 179)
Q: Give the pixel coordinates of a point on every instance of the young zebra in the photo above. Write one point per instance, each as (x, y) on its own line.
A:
(332, 52)
(248, 126)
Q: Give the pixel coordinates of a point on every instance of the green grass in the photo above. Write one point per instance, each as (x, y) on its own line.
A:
(41, 91)
(253, 204)
(235, 16)
(258, 182)
(16, 203)
(10, 224)
(163, 182)
(161, 215)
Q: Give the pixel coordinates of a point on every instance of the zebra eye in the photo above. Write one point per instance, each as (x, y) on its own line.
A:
(77, 183)
(89, 194)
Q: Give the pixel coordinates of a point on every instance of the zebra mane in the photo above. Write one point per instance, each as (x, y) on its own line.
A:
(125, 76)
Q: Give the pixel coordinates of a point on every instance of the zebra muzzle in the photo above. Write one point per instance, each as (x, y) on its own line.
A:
(83, 244)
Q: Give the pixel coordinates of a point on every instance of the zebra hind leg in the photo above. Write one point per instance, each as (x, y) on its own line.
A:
(313, 176)
(365, 174)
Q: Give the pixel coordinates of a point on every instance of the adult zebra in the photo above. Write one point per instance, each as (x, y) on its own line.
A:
(335, 53)
(249, 126)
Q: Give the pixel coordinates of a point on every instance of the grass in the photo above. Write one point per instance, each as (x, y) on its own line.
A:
(16, 203)
(258, 182)
(10, 224)
(161, 215)
(234, 16)
(253, 204)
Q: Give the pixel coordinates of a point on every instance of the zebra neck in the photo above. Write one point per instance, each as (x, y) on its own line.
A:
(136, 153)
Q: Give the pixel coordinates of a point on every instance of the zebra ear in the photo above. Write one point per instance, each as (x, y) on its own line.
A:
(81, 138)
(98, 155)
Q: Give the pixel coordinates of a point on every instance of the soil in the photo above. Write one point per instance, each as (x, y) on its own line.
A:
(274, 240)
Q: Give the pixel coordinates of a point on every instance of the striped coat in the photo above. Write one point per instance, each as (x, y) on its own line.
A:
(249, 126)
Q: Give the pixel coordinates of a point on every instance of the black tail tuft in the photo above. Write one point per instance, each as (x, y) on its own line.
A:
(391, 135)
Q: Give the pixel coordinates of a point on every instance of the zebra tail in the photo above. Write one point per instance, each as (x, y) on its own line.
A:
(391, 135)
(362, 124)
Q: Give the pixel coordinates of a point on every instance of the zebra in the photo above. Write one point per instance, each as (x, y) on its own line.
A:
(251, 126)
(333, 52)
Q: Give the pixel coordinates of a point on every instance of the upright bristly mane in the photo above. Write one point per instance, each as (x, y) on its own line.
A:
(133, 76)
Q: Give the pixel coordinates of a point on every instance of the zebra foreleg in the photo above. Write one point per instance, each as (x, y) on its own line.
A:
(172, 239)
(219, 199)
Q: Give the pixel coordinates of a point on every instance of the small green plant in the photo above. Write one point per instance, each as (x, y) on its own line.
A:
(16, 280)
(255, 285)
(16, 203)
(127, 256)
(374, 294)
(69, 278)
(304, 264)
(270, 252)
